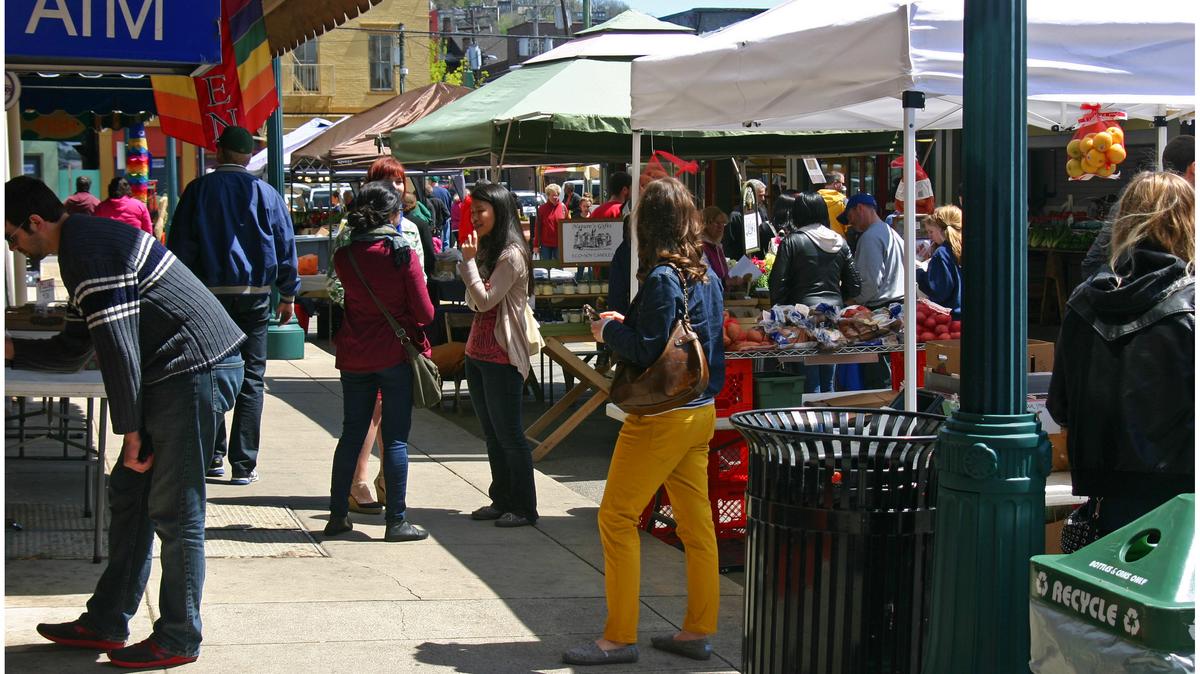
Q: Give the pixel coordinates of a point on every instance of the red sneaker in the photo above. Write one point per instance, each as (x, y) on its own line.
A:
(74, 634)
(147, 654)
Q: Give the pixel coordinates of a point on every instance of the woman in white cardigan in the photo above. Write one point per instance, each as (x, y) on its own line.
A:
(496, 269)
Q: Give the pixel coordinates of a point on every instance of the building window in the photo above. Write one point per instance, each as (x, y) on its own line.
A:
(306, 76)
(381, 49)
(523, 47)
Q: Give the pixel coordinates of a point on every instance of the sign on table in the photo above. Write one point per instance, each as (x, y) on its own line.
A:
(589, 241)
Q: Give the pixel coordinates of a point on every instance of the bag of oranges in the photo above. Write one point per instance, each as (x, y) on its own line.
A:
(1098, 146)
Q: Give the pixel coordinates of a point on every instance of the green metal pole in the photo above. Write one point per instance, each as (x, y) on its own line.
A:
(587, 14)
(275, 134)
(992, 456)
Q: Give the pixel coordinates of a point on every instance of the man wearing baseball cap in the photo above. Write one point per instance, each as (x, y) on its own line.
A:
(235, 233)
(880, 260)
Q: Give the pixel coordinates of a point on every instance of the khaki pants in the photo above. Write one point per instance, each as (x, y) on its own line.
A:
(670, 449)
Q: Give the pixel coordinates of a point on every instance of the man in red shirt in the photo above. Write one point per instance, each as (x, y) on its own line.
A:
(83, 202)
(549, 215)
(619, 185)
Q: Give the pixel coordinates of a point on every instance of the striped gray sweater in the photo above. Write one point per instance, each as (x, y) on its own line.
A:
(147, 317)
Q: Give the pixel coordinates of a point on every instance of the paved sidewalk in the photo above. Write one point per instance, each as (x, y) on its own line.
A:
(471, 598)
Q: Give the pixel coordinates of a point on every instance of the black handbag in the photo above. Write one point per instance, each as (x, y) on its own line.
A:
(427, 379)
(1082, 527)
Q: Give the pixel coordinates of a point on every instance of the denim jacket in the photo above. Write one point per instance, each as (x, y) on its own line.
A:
(641, 338)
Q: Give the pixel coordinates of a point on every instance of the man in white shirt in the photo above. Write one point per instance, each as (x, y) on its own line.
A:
(880, 261)
(880, 253)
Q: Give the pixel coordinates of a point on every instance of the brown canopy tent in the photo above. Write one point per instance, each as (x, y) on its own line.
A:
(352, 144)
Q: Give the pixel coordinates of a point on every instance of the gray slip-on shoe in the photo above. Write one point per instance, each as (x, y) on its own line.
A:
(591, 654)
(696, 649)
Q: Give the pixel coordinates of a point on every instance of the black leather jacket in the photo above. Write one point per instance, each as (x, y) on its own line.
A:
(1124, 375)
(804, 273)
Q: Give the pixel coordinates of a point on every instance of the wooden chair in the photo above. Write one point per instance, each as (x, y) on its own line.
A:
(458, 323)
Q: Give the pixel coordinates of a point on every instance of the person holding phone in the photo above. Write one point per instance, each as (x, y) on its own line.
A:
(496, 270)
(669, 448)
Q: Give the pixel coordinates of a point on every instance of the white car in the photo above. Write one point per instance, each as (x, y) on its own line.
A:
(529, 202)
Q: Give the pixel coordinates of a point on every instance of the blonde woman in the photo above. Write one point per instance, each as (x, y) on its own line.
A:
(670, 448)
(941, 281)
(1125, 361)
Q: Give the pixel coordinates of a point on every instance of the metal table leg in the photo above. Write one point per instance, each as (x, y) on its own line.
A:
(102, 441)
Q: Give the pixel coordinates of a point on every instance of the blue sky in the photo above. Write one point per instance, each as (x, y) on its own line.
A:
(664, 7)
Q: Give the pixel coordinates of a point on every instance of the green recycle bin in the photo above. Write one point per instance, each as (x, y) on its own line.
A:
(1124, 604)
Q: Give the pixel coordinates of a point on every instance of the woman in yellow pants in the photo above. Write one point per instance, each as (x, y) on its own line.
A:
(669, 448)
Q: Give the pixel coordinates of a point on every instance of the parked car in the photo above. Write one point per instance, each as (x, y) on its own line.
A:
(529, 202)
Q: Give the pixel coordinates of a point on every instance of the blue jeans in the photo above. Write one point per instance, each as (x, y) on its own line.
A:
(358, 403)
(548, 253)
(179, 420)
(251, 313)
(818, 379)
(446, 234)
(496, 394)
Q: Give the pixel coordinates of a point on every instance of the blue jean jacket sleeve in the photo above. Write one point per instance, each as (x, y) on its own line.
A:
(643, 336)
(287, 278)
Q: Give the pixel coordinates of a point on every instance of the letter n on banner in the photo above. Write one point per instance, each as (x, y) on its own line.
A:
(239, 91)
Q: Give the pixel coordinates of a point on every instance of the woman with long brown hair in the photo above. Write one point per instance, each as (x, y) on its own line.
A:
(670, 448)
(1125, 361)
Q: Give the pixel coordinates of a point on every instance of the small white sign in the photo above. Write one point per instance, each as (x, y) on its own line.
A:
(45, 295)
(815, 174)
(750, 224)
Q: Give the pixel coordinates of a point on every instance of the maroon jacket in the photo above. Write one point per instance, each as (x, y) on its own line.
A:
(81, 203)
(366, 342)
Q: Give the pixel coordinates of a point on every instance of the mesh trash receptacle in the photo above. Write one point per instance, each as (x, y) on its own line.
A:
(839, 540)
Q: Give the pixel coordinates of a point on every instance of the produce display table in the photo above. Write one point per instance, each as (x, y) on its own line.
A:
(814, 356)
(557, 337)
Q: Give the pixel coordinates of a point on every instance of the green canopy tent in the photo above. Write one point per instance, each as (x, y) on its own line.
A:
(576, 107)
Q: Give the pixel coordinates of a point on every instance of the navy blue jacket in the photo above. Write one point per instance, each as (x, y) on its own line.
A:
(618, 279)
(235, 233)
(943, 281)
(643, 336)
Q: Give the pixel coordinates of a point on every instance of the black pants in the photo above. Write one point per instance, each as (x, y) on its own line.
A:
(496, 394)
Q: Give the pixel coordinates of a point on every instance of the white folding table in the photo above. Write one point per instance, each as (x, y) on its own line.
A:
(83, 384)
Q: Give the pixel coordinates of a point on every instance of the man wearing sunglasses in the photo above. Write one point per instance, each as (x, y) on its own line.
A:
(168, 355)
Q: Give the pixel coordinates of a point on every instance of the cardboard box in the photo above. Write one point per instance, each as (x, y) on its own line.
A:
(857, 400)
(945, 355)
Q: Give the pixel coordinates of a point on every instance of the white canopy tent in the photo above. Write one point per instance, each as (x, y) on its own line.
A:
(298, 137)
(799, 67)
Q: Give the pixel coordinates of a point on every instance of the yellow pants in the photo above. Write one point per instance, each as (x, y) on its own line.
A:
(670, 449)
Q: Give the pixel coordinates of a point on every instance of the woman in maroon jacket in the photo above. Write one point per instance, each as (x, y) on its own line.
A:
(370, 356)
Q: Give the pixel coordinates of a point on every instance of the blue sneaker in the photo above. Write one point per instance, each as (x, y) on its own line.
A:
(216, 468)
(243, 480)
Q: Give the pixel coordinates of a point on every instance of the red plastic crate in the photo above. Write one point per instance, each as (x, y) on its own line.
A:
(727, 501)
(728, 458)
(738, 393)
(897, 358)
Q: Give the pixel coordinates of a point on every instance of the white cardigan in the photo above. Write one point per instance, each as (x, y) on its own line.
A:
(510, 290)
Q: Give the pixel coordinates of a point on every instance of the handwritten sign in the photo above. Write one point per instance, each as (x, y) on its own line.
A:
(589, 241)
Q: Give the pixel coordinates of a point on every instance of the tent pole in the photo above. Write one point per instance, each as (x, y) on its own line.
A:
(912, 101)
(635, 172)
(495, 168)
(1160, 126)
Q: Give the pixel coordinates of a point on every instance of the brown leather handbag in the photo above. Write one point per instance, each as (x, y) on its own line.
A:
(678, 377)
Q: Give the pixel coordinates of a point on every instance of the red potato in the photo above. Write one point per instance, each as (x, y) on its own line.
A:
(930, 322)
(956, 335)
(955, 326)
(942, 319)
(925, 337)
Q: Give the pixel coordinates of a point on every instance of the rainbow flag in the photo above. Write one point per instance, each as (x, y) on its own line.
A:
(238, 92)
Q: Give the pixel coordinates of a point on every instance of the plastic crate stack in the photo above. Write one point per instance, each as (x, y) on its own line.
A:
(728, 463)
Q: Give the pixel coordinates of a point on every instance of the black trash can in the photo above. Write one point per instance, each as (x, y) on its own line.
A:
(839, 539)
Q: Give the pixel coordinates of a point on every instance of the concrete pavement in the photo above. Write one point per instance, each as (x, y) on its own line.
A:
(471, 598)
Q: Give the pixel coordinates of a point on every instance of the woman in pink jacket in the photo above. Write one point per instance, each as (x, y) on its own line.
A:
(122, 207)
